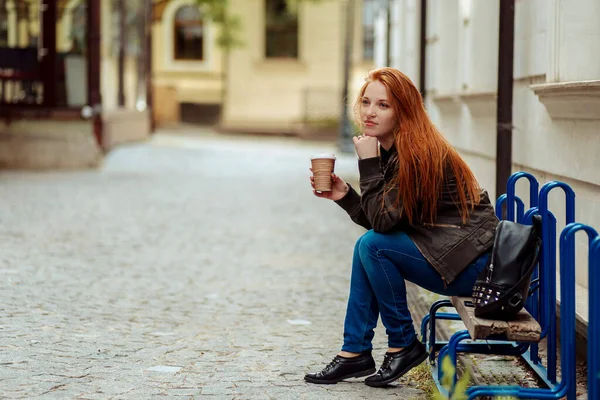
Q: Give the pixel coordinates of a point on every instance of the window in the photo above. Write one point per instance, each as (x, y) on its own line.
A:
(3, 24)
(188, 34)
(3, 31)
(368, 23)
(281, 30)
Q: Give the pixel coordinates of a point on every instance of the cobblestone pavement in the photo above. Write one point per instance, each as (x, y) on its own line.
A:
(190, 266)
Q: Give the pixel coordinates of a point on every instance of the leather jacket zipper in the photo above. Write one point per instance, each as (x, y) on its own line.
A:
(491, 268)
(442, 226)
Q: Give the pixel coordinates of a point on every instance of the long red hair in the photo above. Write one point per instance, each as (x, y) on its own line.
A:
(424, 155)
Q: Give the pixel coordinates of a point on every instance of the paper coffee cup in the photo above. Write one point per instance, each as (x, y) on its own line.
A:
(322, 168)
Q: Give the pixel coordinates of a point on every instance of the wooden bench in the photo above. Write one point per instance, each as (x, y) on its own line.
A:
(523, 329)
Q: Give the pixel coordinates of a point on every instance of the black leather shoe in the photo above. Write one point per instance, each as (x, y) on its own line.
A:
(397, 364)
(341, 368)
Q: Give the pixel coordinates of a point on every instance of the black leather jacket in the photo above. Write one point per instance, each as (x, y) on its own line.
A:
(448, 244)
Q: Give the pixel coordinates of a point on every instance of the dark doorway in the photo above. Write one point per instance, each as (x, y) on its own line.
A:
(200, 114)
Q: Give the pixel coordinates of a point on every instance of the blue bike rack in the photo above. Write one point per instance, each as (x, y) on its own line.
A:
(511, 197)
(567, 305)
(532, 304)
(548, 271)
(593, 355)
(430, 319)
(503, 199)
(567, 385)
(541, 305)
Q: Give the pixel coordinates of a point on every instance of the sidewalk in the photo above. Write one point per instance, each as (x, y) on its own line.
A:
(194, 265)
(191, 266)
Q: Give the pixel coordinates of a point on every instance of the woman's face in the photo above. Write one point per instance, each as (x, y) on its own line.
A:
(377, 115)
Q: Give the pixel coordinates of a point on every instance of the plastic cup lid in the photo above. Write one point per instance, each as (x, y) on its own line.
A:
(323, 155)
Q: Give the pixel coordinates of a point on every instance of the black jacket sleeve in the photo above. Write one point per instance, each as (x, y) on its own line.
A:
(374, 208)
(351, 203)
(377, 202)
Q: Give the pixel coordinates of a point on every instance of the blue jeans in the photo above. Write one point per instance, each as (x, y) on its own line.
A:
(381, 265)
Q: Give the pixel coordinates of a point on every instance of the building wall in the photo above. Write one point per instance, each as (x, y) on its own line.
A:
(63, 139)
(176, 82)
(64, 43)
(259, 94)
(277, 94)
(556, 113)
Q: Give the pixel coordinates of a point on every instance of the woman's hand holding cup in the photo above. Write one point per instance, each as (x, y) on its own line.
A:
(339, 188)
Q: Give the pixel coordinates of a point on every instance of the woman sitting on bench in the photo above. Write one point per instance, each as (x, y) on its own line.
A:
(428, 222)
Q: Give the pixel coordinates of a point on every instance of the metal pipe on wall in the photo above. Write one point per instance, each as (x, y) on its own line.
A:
(504, 123)
(388, 34)
(47, 51)
(345, 141)
(93, 66)
(148, 62)
(122, 43)
(423, 48)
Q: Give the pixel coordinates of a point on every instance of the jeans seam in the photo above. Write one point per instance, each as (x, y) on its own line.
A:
(392, 289)
(364, 329)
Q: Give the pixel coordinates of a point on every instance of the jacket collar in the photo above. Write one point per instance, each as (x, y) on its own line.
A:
(387, 154)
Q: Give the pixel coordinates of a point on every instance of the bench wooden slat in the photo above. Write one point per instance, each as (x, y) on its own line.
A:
(523, 329)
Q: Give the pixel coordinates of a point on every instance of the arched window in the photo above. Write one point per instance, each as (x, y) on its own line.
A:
(188, 34)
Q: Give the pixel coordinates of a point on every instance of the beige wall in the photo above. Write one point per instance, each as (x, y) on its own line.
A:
(270, 94)
(262, 94)
(183, 81)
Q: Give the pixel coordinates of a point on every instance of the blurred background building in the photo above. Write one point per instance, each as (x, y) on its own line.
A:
(285, 77)
(555, 90)
(72, 82)
(78, 77)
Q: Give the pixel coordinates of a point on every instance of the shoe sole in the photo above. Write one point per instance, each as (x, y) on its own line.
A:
(333, 381)
(392, 379)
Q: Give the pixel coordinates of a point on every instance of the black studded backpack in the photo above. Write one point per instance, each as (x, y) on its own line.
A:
(503, 286)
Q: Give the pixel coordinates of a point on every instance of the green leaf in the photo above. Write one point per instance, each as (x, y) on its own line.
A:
(448, 371)
(460, 390)
(439, 396)
(447, 381)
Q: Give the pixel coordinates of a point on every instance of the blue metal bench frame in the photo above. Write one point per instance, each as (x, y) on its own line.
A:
(541, 305)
